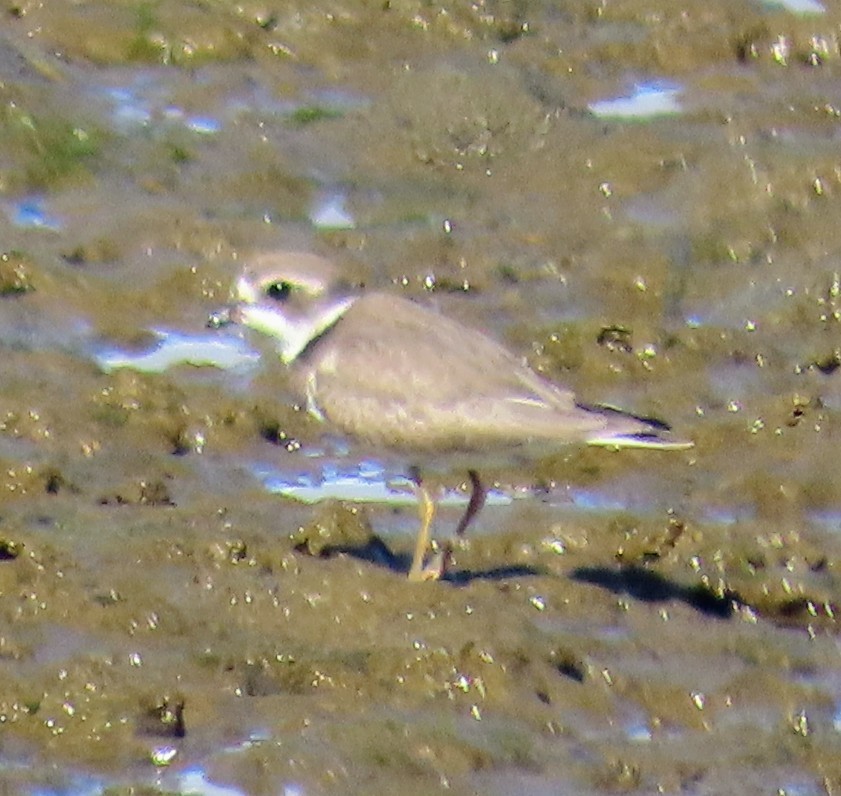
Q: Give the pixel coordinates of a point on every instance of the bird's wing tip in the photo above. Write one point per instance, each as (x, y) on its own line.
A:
(641, 441)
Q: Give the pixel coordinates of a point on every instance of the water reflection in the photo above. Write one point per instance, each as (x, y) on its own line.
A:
(32, 213)
(139, 107)
(363, 482)
(195, 780)
(797, 6)
(178, 348)
(330, 213)
(647, 99)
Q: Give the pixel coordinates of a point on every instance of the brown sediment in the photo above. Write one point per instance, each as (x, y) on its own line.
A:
(680, 635)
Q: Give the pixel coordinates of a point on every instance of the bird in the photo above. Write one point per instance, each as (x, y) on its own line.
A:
(400, 376)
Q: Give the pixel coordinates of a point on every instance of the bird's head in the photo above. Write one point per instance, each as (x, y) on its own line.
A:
(293, 297)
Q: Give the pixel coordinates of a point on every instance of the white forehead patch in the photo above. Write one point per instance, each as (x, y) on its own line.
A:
(246, 291)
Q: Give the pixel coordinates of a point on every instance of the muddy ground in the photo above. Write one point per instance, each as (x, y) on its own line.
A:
(633, 622)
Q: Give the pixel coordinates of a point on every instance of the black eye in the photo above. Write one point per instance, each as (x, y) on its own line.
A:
(279, 291)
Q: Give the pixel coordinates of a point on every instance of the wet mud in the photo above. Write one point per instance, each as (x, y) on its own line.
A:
(614, 622)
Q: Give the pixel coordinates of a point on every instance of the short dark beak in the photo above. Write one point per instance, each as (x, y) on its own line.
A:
(223, 317)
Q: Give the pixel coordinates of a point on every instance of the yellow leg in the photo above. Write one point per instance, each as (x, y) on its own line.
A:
(418, 571)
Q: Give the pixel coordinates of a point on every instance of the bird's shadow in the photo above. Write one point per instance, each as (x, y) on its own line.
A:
(375, 551)
(647, 586)
(630, 579)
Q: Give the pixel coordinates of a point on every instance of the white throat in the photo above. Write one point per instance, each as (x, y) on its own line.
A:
(293, 335)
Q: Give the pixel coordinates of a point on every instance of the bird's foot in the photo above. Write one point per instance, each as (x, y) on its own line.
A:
(434, 568)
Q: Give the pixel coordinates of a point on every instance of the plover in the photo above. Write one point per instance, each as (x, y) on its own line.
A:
(401, 376)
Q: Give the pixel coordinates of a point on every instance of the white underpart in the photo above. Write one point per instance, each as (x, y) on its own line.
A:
(292, 336)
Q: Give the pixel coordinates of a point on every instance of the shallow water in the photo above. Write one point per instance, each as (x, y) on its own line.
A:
(641, 199)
